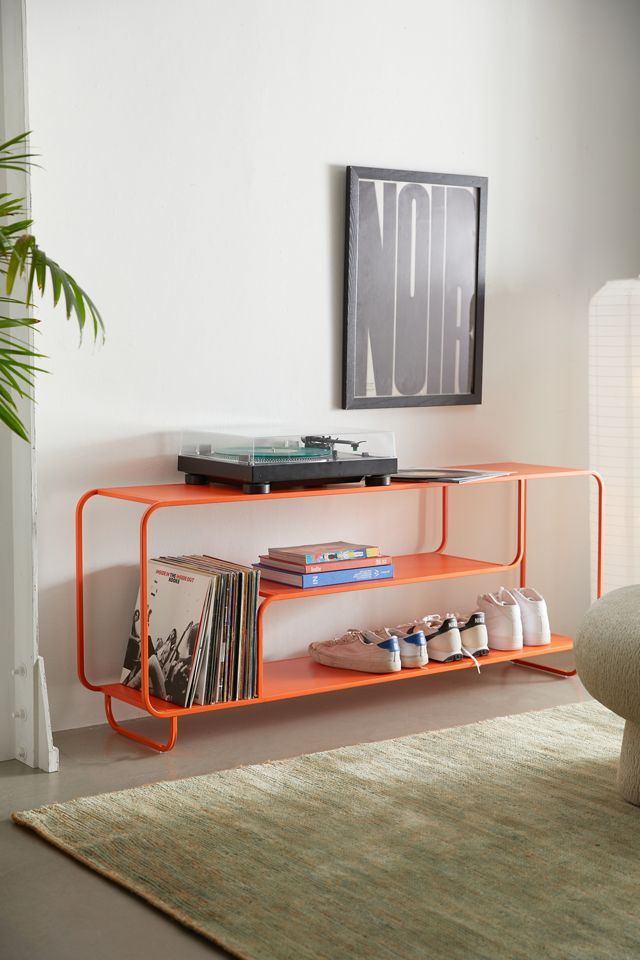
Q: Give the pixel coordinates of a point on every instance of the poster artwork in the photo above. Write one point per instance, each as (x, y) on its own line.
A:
(415, 293)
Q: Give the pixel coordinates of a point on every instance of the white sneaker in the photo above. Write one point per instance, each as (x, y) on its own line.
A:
(502, 618)
(442, 636)
(535, 618)
(358, 650)
(473, 634)
(412, 643)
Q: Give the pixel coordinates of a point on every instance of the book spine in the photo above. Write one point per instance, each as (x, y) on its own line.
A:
(359, 575)
(357, 553)
(279, 576)
(301, 568)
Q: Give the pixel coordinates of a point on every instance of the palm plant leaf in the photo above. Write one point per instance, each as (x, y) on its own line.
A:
(11, 206)
(11, 419)
(10, 159)
(22, 259)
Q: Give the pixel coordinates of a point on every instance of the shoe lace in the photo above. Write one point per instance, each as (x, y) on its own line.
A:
(468, 653)
(351, 634)
(431, 619)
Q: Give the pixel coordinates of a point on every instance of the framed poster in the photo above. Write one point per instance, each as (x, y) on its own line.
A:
(414, 288)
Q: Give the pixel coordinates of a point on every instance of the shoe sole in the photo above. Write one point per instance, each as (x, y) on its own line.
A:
(413, 662)
(507, 646)
(354, 663)
(537, 642)
(445, 657)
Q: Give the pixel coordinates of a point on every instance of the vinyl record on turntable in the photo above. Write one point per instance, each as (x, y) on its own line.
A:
(273, 453)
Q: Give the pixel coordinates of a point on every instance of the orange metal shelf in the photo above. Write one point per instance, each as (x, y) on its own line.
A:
(181, 494)
(411, 568)
(278, 680)
(302, 676)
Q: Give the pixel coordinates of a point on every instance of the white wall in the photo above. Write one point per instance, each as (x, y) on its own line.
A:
(193, 180)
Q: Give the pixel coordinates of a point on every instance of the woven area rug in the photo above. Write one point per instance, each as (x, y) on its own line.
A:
(503, 839)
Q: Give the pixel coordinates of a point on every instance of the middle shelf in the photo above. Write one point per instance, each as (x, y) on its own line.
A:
(409, 568)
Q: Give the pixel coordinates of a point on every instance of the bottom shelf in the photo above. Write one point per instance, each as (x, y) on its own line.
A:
(302, 676)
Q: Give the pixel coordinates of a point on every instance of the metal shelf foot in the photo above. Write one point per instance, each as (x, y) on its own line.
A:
(146, 741)
(542, 666)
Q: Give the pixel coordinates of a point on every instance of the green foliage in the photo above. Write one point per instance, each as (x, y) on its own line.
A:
(22, 258)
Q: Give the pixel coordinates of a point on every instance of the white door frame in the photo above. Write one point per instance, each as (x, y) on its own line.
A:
(25, 727)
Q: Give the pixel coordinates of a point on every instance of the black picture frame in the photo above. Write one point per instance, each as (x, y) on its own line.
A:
(380, 342)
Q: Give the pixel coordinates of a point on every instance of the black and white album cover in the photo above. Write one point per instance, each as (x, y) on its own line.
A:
(414, 288)
(177, 601)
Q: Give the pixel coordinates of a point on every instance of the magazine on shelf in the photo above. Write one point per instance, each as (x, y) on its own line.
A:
(332, 578)
(202, 631)
(324, 552)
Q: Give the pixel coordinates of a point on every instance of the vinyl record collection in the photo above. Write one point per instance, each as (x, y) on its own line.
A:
(202, 631)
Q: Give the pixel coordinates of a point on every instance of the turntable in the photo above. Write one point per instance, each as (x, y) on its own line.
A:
(259, 463)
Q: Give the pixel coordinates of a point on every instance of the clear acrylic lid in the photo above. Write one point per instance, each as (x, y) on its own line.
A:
(285, 448)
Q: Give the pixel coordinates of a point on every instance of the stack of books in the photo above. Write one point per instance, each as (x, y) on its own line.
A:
(324, 564)
(202, 631)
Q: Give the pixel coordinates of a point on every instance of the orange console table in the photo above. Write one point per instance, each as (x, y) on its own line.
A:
(281, 679)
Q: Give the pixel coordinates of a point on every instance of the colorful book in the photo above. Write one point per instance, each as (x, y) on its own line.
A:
(322, 567)
(329, 579)
(323, 552)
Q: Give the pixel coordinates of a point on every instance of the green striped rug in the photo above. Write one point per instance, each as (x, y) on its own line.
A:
(503, 840)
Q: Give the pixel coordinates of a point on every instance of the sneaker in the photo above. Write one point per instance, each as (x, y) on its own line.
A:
(535, 618)
(412, 643)
(473, 634)
(442, 636)
(502, 618)
(358, 650)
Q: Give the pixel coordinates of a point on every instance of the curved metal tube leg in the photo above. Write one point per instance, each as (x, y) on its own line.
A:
(262, 609)
(522, 530)
(600, 571)
(80, 591)
(445, 520)
(147, 741)
(542, 666)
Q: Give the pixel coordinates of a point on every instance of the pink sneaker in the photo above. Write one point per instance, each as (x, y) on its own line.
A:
(358, 650)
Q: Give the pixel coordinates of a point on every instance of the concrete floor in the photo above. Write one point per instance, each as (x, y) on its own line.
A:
(51, 908)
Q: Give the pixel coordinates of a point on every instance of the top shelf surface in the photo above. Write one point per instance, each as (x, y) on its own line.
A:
(182, 494)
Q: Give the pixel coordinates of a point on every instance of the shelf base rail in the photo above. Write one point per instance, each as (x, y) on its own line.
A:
(138, 737)
(543, 666)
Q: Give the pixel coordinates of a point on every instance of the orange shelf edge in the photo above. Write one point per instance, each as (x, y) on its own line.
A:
(409, 568)
(302, 676)
(182, 494)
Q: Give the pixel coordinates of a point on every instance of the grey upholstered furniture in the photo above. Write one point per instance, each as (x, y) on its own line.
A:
(607, 651)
